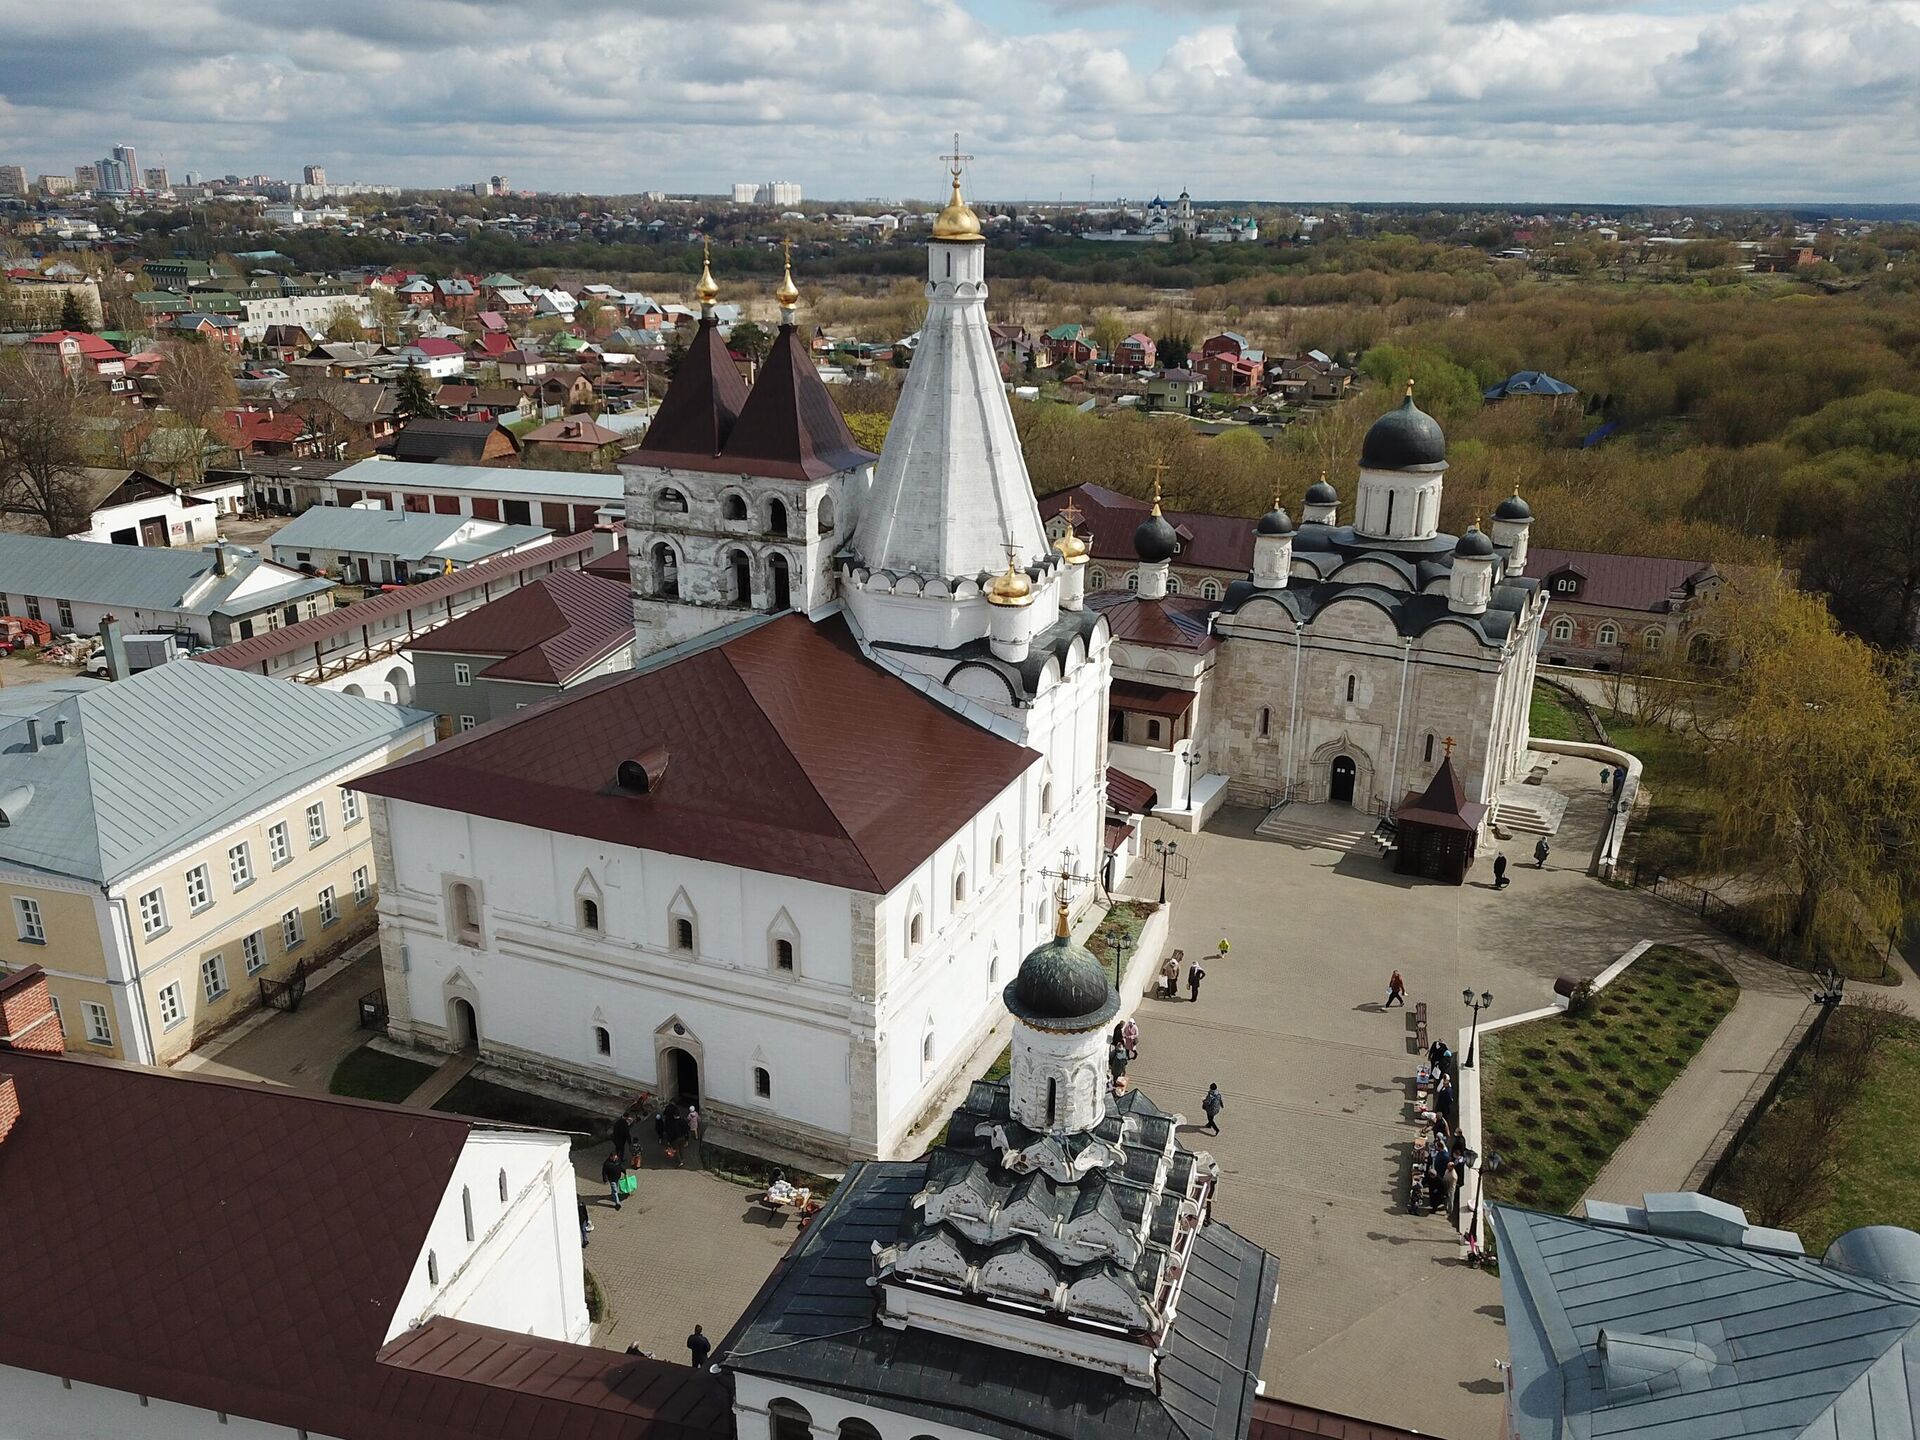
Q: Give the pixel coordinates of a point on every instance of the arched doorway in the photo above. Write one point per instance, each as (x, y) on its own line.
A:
(782, 586)
(680, 1074)
(740, 569)
(1340, 788)
(666, 572)
(466, 1025)
(402, 685)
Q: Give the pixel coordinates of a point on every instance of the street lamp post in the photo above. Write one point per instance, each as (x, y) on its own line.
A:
(1165, 849)
(1828, 985)
(1478, 1002)
(1191, 763)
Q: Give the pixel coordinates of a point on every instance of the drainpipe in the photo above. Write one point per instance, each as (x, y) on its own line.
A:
(1399, 723)
(123, 927)
(1293, 708)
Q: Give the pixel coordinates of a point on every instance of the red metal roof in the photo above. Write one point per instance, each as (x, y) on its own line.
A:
(1135, 797)
(1177, 622)
(788, 752)
(1618, 582)
(698, 411)
(1277, 1420)
(790, 427)
(546, 631)
(1150, 699)
(254, 654)
(1208, 542)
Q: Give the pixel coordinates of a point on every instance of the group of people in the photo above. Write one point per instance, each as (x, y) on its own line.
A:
(1440, 1163)
(675, 1126)
(1170, 975)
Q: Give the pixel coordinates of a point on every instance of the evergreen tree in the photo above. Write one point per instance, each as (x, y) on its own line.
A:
(411, 400)
(73, 315)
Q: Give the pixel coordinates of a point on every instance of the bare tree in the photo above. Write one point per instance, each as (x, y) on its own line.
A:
(43, 443)
(196, 387)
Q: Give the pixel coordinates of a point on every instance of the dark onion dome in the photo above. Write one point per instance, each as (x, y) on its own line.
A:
(1513, 508)
(1061, 986)
(1321, 493)
(1155, 541)
(1275, 522)
(1404, 439)
(1474, 545)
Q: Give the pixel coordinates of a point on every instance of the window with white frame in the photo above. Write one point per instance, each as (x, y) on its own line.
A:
(682, 933)
(329, 907)
(783, 954)
(213, 976)
(99, 1027)
(316, 824)
(466, 722)
(66, 616)
(33, 607)
(589, 913)
(1653, 638)
(293, 930)
(27, 921)
(1096, 579)
(1563, 629)
(240, 865)
(153, 913)
(1209, 589)
(254, 949)
(462, 673)
(349, 807)
(172, 1011)
(279, 844)
(199, 888)
(464, 903)
(1609, 634)
(362, 885)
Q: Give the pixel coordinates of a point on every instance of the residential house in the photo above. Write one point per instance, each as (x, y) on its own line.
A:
(221, 330)
(393, 547)
(1176, 390)
(1228, 374)
(574, 441)
(454, 295)
(82, 354)
(307, 1265)
(418, 293)
(1314, 376)
(364, 410)
(285, 342)
(161, 883)
(130, 507)
(1212, 551)
(1134, 353)
(217, 593)
(440, 359)
(272, 431)
(1071, 345)
(341, 359)
(1614, 612)
(491, 322)
(565, 501)
(545, 637)
(455, 442)
(520, 367)
(489, 346)
(1230, 342)
(565, 390)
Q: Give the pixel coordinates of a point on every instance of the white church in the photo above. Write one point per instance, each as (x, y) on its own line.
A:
(786, 864)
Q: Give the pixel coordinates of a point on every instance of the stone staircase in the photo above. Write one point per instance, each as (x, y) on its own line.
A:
(1532, 809)
(1330, 827)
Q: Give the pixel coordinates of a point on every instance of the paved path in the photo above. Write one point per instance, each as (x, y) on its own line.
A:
(447, 1074)
(299, 1049)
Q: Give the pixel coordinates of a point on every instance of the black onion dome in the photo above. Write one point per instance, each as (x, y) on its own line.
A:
(1404, 439)
(1513, 508)
(1155, 541)
(1321, 493)
(1474, 545)
(1275, 522)
(1061, 986)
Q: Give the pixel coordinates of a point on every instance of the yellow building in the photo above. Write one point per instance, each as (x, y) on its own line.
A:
(170, 840)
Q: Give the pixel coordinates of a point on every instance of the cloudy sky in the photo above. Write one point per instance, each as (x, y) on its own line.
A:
(1598, 100)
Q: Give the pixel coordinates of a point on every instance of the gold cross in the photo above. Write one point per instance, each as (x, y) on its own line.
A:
(706, 251)
(1447, 744)
(786, 249)
(956, 159)
(1160, 468)
(1070, 513)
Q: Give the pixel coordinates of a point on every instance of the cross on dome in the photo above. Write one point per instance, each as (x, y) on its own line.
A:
(957, 222)
(789, 293)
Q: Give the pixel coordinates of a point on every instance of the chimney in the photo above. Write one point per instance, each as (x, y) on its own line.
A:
(115, 647)
(27, 1017)
(9, 1107)
(33, 735)
(60, 731)
(605, 540)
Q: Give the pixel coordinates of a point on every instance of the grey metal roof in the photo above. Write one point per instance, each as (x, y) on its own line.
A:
(573, 485)
(135, 577)
(151, 763)
(407, 534)
(1702, 1338)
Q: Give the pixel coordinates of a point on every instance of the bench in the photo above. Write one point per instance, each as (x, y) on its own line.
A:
(1420, 1027)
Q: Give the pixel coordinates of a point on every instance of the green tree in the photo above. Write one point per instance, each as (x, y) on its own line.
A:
(344, 325)
(1108, 331)
(1171, 350)
(73, 315)
(411, 399)
(750, 340)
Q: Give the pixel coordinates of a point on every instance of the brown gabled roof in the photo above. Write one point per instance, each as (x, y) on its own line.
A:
(699, 409)
(1618, 582)
(1209, 542)
(790, 429)
(767, 768)
(1278, 1420)
(545, 632)
(459, 442)
(1178, 622)
(1443, 804)
(1128, 795)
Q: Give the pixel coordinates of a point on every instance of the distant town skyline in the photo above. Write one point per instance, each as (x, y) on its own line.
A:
(1588, 101)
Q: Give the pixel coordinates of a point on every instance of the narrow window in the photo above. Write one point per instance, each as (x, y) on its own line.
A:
(1266, 721)
(1053, 1099)
(1429, 755)
(316, 823)
(329, 907)
(783, 954)
(26, 914)
(1389, 524)
(762, 1082)
(433, 1274)
(466, 914)
(1352, 684)
(1153, 730)
(589, 914)
(503, 1184)
(462, 673)
(999, 850)
(926, 1049)
(916, 929)
(466, 1211)
(959, 886)
(682, 934)
(602, 1040)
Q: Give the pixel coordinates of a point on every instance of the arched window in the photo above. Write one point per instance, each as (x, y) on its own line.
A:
(1096, 579)
(926, 1048)
(682, 933)
(602, 1040)
(739, 578)
(916, 929)
(762, 1082)
(1209, 589)
(1173, 583)
(433, 1268)
(1133, 579)
(589, 913)
(1654, 637)
(1703, 650)
(789, 1421)
(1353, 685)
(959, 886)
(466, 1211)
(670, 501)
(776, 516)
(464, 903)
(1609, 634)
(666, 571)
(1562, 629)
(733, 507)
(1046, 798)
(824, 515)
(503, 1184)
(999, 848)
(1428, 756)
(1153, 730)
(1266, 721)
(783, 954)
(857, 1429)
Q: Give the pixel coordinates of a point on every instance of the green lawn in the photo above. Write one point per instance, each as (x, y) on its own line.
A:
(1118, 933)
(1559, 1095)
(1674, 769)
(369, 1074)
(1552, 716)
(487, 1101)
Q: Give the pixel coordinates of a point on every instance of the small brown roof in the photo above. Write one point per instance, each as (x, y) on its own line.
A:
(1277, 1420)
(1150, 699)
(1618, 582)
(1178, 622)
(458, 442)
(578, 431)
(788, 752)
(1207, 542)
(545, 632)
(698, 411)
(1442, 805)
(790, 428)
(1135, 797)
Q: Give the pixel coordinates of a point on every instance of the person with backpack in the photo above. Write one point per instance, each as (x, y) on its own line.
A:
(1213, 1103)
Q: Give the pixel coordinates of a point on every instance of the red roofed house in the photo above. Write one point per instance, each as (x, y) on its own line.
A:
(1610, 611)
(272, 432)
(1229, 374)
(292, 1263)
(82, 354)
(1134, 353)
(572, 442)
(1215, 550)
(441, 359)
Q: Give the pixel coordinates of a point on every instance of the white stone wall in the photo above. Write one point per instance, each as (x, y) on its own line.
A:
(44, 1407)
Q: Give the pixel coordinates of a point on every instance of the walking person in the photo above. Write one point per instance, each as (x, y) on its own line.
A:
(1170, 976)
(1540, 852)
(1130, 1037)
(1605, 776)
(1396, 991)
(699, 1347)
(610, 1171)
(693, 1132)
(1196, 972)
(1213, 1103)
(623, 1135)
(1500, 871)
(1117, 1059)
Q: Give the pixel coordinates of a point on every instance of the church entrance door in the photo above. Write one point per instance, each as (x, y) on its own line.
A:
(1340, 791)
(683, 1073)
(466, 1028)
(782, 587)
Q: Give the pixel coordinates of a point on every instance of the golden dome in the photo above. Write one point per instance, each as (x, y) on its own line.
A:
(1012, 588)
(1072, 548)
(707, 290)
(957, 222)
(789, 293)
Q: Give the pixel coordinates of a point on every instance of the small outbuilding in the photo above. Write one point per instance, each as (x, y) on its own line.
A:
(1437, 828)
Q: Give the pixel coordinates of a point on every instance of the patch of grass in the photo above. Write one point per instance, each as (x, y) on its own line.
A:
(596, 1298)
(1117, 934)
(486, 1101)
(369, 1074)
(1672, 834)
(1552, 716)
(1606, 1075)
